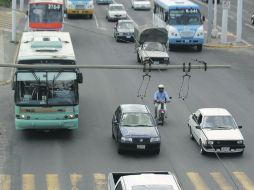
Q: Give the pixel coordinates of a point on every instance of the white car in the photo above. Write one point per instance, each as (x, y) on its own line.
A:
(215, 130)
(116, 12)
(141, 4)
(154, 51)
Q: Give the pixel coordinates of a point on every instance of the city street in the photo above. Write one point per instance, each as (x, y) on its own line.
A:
(81, 159)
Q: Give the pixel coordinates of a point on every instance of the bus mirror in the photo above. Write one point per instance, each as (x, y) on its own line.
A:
(80, 77)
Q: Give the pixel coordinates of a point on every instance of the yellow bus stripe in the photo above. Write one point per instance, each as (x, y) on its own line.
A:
(244, 180)
(28, 182)
(197, 181)
(221, 181)
(100, 181)
(75, 178)
(5, 182)
(53, 182)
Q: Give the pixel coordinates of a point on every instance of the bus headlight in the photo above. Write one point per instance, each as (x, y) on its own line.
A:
(90, 5)
(200, 32)
(70, 116)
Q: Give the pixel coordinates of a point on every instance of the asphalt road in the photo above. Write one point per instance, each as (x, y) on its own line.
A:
(82, 158)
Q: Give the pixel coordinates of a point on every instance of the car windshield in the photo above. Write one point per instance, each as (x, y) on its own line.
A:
(219, 122)
(136, 119)
(126, 25)
(153, 46)
(116, 8)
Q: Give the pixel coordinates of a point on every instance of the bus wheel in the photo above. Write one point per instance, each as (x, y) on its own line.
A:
(171, 47)
(199, 48)
(68, 16)
(91, 16)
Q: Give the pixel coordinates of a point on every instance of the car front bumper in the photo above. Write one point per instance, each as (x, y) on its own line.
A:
(79, 12)
(189, 42)
(224, 148)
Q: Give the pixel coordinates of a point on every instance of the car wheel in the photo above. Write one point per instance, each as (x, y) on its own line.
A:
(252, 21)
(171, 47)
(191, 134)
(119, 150)
(199, 48)
(157, 151)
(138, 59)
(202, 151)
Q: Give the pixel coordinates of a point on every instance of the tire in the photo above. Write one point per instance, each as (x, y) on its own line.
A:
(138, 59)
(191, 134)
(119, 150)
(68, 16)
(199, 48)
(171, 47)
(91, 16)
(202, 151)
(162, 118)
(113, 136)
(157, 151)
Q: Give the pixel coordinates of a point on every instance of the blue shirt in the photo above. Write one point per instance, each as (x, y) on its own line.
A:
(161, 96)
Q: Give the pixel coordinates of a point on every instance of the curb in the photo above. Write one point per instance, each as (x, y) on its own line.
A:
(227, 45)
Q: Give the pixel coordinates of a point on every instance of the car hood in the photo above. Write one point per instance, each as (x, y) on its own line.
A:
(223, 134)
(155, 53)
(139, 131)
(141, 3)
(125, 30)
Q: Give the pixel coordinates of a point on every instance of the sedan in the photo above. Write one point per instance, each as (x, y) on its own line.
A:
(124, 30)
(215, 130)
(116, 12)
(154, 51)
(141, 4)
(133, 128)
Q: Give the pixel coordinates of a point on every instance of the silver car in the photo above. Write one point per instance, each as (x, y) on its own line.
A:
(124, 30)
(116, 12)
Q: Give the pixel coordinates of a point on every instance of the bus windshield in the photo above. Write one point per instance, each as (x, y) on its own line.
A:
(45, 13)
(184, 17)
(46, 88)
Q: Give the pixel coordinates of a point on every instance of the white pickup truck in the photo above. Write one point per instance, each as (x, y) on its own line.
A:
(143, 181)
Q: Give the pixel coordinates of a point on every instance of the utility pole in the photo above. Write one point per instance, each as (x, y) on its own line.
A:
(239, 20)
(14, 7)
(215, 31)
(224, 30)
(210, 15)
(21, 5)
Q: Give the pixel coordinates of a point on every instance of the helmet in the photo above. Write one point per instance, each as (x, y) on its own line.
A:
(161, 86)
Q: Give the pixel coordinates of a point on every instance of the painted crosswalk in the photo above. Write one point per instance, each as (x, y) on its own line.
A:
(52, 181)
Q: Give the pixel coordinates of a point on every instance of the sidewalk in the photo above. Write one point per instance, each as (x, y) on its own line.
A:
(231, 40)
(8, 50)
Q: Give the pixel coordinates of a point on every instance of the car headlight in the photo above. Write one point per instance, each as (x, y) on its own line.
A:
(126, 139)
(210, 142)
(155, 139)
(22, 116)
(166, 58)
(239, 142)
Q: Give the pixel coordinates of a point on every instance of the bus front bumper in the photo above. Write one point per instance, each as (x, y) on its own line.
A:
(79, 12)
(187, 42)
(22, 124)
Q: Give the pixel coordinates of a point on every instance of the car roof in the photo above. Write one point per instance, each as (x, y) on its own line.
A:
(214, 111)
(150, 179)
(130, 108)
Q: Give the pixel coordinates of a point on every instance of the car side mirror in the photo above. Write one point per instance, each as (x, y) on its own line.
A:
(240, 126)
(80, 77)
(198, 127)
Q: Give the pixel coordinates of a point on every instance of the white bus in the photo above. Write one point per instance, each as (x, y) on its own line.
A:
(182, 19)
(46, 98)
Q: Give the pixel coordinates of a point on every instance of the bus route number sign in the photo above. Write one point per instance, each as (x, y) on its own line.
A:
(191, 10)
(53, 6)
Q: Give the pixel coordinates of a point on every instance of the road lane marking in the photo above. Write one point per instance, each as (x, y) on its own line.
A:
(53, 182)
(96, 21)
(221, 181)
(75, 178)
(197, 181)
(244, 180)
(100, 181)
(5, 182)
(28, 182)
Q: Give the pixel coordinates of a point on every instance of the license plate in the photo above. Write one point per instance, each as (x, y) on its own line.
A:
(156, 62)
(225, 149)
(141, 146)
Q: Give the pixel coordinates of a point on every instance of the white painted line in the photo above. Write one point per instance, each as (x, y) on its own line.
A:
(96, 21)
(251, 26)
